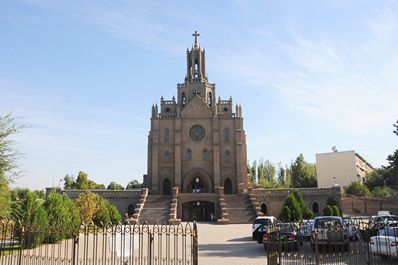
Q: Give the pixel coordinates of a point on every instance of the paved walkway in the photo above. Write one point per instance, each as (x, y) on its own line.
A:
(229, 245)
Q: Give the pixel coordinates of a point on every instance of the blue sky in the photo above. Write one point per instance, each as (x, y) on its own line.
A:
(83, 76)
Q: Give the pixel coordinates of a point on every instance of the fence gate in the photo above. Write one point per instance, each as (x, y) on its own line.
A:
(113, 245)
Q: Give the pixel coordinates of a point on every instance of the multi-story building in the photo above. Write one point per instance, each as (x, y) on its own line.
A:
(340, 168)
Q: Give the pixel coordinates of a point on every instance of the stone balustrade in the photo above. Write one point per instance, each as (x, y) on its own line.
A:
(140, 205)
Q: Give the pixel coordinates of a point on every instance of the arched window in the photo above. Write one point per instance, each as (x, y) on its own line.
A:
(226, 134)
(315, 207)
(167, 156)
(210, 100)
(166, 135)
(227, 156)
(188, 155)
(205, 155)
(196, 69)
(264, 208)
(183, 99)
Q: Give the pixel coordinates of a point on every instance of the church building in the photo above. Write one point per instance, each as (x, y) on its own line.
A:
(197, 142)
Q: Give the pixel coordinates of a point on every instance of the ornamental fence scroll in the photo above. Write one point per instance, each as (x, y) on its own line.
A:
(357, 241)
(89, 244)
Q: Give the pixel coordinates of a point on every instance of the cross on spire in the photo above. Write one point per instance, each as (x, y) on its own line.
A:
(196, 35)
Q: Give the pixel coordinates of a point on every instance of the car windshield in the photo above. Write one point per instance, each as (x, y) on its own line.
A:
(289, 228)
(326, 222)
(389, 231)
(390, 218)
(262, 221)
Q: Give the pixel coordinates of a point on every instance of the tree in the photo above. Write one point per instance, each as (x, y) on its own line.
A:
(69, 182)
(295, 209)
(83, 183)
(114, 186)
(114, 214)
(285, 214)
(134, 184)
(357, 189)
(8, 157)
(87, 205)
(307, 213)
(5, 197)
(252, 171)
(303, 173)
(102, 217)
(269, 171)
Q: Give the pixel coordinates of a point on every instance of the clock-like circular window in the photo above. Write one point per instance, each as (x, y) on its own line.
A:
(197, 132)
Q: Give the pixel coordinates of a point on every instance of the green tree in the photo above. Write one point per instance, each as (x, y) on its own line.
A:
(114, 186)
(382, 192)
(286, 214)
(328, 210)
(102, 216)
(115, 216)
(8, 158)
(269, 171)
(87, 205)
(69, 182)
(84, 183)
(357, 189)
(307, 213)
(303, 173)
(295, 209)
(134, 184)
(252, 171)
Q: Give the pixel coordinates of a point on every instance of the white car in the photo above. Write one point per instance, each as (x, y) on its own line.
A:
(385, 244)
(260, 226)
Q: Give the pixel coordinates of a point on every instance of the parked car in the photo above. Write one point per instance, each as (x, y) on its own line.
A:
(352, 230)
(383, 218)
(306, 227)
(385, 244)
(260, 226)
(329, 231)
(289, 236)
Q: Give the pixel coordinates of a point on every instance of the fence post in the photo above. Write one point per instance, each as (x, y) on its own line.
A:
(75, 241)
(150, 247)
(21, 244)
(316, 249)
(195, 244)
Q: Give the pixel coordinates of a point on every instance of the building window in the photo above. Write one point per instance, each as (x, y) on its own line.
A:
(205, 155)
(188, 154)
(166, 135)
(226, 135)
(167, 156)
(210, 100)
(183, 99)
(315, 207)
(227, 156)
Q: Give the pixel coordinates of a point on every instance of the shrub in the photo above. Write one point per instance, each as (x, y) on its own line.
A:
(357, 189)
(285, 214)
(102, 216)
(336, 211)
(307, 213)
(87, 204)
(294, 206)
(328, 210)
(381, 192)
(114, 214)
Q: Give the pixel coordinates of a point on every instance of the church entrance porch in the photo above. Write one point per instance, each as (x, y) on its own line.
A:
(198, 211)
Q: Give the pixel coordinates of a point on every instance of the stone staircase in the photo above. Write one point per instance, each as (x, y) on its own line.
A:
(156, 210)
(239, 208)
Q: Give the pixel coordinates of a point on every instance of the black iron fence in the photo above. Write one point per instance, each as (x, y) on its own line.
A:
(354, 242)
(89, 244)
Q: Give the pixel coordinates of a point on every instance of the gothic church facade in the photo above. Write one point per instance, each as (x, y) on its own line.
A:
(197, 142)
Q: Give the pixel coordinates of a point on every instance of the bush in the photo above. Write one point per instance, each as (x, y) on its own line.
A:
(114, 214)
(294, 206)
(35, 230)
(381, 192)
(336, 211)
(285, 214)
(357, 189)
(328, 210)
(102, 216)
(307, 213)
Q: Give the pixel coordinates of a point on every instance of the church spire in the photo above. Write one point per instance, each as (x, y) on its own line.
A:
(196, 64)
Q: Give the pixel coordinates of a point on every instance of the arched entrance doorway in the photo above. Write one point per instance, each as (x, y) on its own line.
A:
(198, 211)
(198, 185)
(315, 207)
(264, 208)
(227, 186)
(130, 210)
(166, 187)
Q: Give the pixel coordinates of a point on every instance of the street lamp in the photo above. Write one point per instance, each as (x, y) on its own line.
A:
(196, 185)
(334, 181)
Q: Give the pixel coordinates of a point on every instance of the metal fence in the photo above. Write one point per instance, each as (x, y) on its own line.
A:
(355, 242)
(89, 244)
